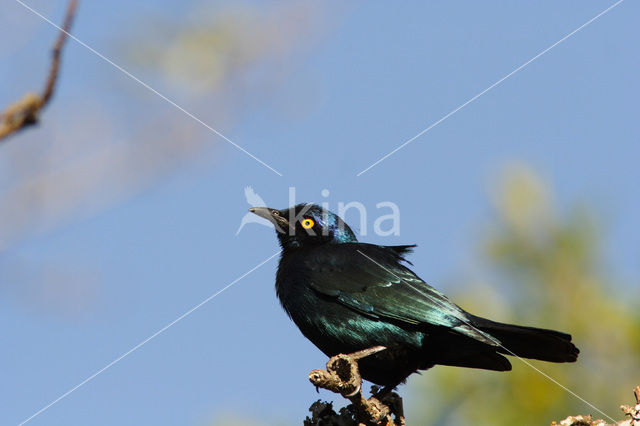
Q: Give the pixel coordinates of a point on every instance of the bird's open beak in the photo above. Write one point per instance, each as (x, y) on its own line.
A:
(274, 216)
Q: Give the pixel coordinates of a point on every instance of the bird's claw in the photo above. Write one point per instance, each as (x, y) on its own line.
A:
(367, 352)
(342, 376)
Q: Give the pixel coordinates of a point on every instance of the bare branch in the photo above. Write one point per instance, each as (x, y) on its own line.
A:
(632, 412)
(25, 112)
(342, 376)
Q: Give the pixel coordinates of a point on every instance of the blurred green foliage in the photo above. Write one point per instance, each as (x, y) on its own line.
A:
(546, 270)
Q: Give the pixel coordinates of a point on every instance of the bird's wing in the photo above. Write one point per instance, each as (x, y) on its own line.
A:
(253, 199)
(371, 280)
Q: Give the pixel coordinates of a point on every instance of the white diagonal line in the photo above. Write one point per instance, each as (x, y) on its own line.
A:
(407, 142)
(136, 347)
(506, 349)
(133, 77)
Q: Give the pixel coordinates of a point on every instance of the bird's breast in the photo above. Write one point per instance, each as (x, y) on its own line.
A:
(333, 327)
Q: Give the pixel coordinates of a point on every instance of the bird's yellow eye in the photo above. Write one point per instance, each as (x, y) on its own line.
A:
(307, 223)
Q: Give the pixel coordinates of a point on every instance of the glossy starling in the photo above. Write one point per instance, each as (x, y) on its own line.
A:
(346, 296)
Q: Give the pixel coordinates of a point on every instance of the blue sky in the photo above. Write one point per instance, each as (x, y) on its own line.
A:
(366, 79)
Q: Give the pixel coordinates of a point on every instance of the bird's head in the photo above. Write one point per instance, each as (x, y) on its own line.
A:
(306, 225)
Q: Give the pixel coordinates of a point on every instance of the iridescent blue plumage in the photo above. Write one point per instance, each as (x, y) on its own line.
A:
(346, 296)
(329, 228)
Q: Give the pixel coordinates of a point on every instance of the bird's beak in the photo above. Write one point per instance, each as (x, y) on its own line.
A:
(274, 216)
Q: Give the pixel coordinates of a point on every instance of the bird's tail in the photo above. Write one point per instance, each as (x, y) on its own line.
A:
(529, 342)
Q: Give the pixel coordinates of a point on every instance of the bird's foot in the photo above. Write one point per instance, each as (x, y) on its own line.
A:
(342, 376)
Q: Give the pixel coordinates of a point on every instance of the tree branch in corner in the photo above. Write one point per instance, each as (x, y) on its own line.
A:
(25, 112)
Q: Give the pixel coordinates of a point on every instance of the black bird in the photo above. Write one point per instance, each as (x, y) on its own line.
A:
(346, 296)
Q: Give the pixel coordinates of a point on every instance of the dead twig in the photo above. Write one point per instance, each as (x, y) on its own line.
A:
(342, 376)
(25, 112)
(632, 412)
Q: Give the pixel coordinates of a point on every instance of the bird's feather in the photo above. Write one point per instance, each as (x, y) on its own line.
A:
(369, 279)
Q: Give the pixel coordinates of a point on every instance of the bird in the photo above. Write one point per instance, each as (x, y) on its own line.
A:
(346, 296)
